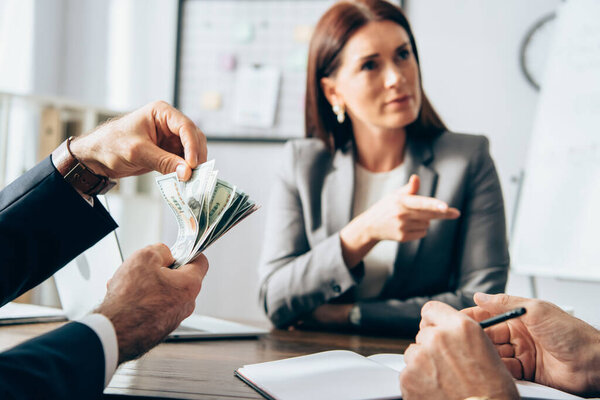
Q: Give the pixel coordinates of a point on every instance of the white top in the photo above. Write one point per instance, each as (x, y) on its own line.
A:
(369, 188)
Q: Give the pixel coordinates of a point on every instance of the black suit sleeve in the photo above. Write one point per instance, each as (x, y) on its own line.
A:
(44, 224)
(67, 363)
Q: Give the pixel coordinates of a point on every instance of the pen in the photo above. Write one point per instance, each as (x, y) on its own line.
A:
(517, 312)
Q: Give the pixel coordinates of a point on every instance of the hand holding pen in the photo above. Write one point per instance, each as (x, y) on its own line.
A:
(453, 359)
(517, 312)
(546, 345)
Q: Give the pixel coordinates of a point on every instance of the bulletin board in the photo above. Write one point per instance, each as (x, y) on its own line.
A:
(241, 66)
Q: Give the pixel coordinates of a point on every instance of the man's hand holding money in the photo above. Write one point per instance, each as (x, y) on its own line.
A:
(156, 137)
(146, 300)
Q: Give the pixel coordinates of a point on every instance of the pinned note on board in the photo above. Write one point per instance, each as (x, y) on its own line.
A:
(243, 32)
(255, 96)
(227, 62)
(211, 100)
(298, 59)
(303, 33)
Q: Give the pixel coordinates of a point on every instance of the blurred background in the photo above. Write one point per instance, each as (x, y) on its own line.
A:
(68, 65)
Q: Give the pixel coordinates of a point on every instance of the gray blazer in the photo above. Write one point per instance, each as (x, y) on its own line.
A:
(302, 265)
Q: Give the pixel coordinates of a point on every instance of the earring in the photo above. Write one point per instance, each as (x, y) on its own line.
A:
(340, 113)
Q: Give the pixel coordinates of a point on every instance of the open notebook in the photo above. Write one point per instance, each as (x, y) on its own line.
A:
(342, 374)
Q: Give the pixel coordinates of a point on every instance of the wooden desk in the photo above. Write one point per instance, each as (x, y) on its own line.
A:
(204, 369)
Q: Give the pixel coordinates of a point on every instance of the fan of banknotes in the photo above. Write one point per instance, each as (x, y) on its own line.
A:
(205, 208)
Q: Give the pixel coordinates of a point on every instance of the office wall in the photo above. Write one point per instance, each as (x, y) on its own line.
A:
(119, 54)
(16, 45)
(469, 53)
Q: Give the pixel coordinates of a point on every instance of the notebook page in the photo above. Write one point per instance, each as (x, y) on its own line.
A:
(390, 360)
(526, 389)
(337, 374)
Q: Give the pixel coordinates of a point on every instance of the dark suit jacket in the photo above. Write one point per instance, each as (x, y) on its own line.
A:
(302, 265)
(44, 224)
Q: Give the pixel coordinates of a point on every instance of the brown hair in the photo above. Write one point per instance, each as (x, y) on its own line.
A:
(331, 34)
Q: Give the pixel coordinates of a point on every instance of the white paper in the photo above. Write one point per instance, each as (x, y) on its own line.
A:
(331, 375)
(16, 311)
(393, 361)
(341, 374)
(255, 96)
(526, 389)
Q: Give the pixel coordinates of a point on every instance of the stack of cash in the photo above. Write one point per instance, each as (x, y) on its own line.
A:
(205, 208)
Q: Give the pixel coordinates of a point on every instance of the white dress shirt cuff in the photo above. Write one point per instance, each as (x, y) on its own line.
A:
(108, 337)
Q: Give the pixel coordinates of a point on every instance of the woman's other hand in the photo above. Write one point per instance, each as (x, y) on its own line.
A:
(401, 216)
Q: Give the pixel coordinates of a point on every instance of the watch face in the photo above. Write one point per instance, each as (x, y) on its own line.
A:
(535, 49)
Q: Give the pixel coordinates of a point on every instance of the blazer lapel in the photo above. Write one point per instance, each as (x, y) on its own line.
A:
(417, 159)
(338, 190)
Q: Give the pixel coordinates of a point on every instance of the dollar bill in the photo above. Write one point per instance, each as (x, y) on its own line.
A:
(194, 188)
(186, 221)
(221, 199)
(205, 208)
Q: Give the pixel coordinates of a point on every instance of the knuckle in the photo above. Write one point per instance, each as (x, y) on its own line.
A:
(154, 258)
(426, 307)
(164, 164)
(188, 308)
(437, 336)
(158, 253)
(465, 324)
(405, 377)
(541, 309)
(205, 265)
(133, 149)
(504, 299)
(160, 104)
(149, 250)
(192, 288)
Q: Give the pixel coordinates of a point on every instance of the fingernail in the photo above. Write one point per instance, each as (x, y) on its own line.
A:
(482, 297)
(443, 207)
(181, 168)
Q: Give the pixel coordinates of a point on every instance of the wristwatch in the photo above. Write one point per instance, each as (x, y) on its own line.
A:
(354, 315)
(77, 173)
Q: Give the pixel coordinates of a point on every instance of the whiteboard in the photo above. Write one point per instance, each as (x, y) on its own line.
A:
(221, 38)
(557, 230)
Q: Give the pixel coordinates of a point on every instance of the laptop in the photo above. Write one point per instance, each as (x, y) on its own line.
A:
(81, 286)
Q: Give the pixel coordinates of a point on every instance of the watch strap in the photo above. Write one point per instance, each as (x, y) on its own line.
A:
(77, 173)
(354, 316)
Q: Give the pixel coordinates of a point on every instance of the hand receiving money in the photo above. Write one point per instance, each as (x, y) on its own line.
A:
(205, 208)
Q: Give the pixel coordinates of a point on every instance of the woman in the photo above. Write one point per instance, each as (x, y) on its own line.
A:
(348, 243)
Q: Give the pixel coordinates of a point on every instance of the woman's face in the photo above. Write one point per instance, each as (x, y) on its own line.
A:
(378, 78)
